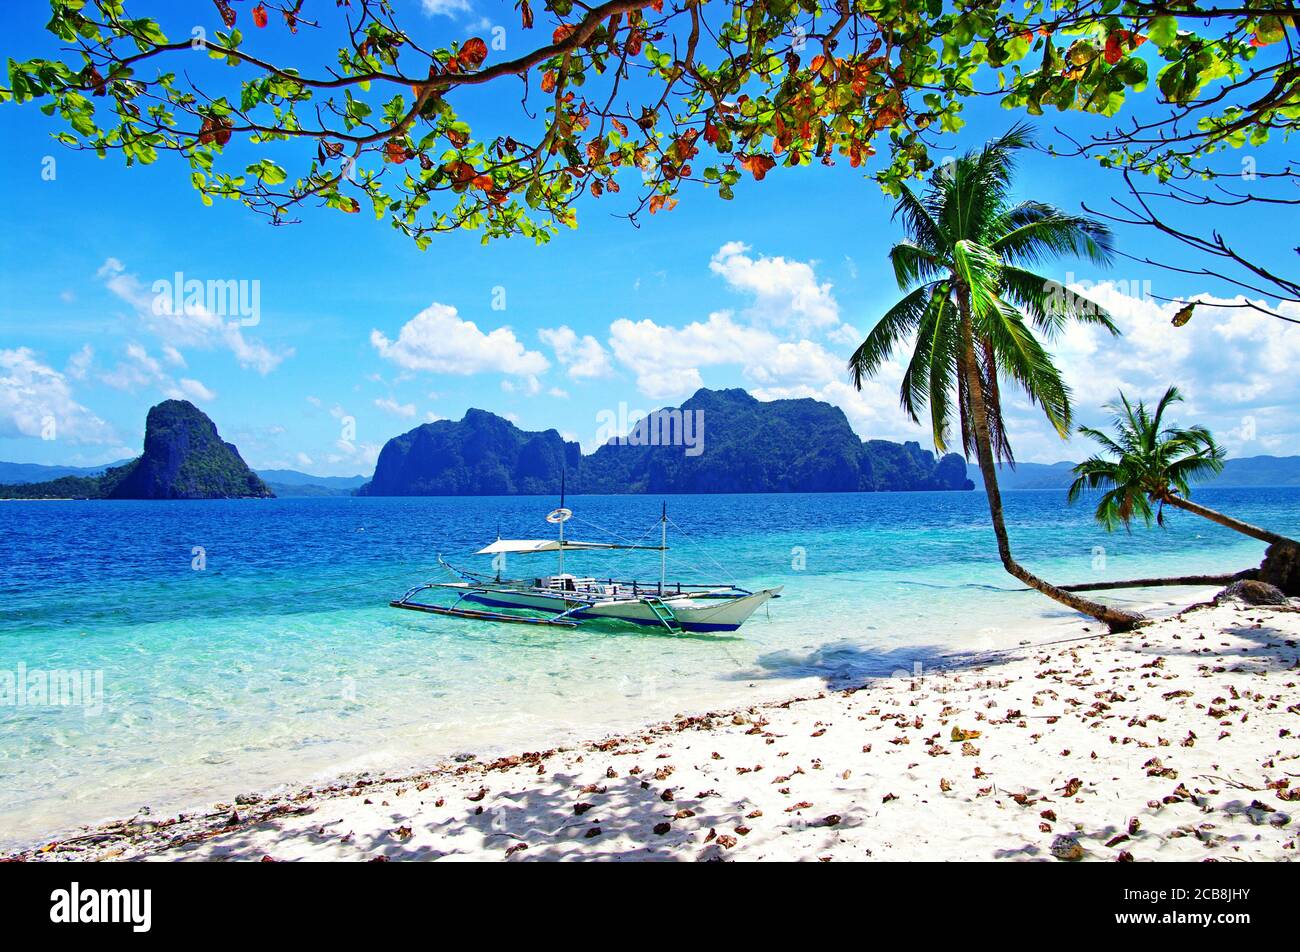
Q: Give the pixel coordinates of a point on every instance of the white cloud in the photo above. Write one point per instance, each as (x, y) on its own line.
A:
(354, 454)
(188, 389)
(786, 293)
(445, 8)
(529, 386)
(193, 326)
(79, 363)
(33, 396)
(303, 459)
(669, 383)
(667, 360)
(1231, 363)
(140, 369)
(395, 408)
(438, 340)
(584, 356)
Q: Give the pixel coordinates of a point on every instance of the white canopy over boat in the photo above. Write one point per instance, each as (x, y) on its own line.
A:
(523, 546)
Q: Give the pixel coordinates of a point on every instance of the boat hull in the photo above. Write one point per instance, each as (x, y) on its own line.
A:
(694, 613)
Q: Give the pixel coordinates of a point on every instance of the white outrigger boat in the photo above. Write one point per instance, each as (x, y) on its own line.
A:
(567, 600)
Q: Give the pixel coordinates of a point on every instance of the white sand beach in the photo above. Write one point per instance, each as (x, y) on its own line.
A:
(1180, 741)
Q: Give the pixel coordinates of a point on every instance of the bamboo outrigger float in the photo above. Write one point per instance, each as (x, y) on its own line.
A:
(566, 600)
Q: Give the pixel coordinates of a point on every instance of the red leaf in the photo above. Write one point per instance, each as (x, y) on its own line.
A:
(395, 151)
(758, 165)
(1120, 40)
(473, 53)
(562, 32)
(526, 15)
(214, 130)
(259, 16)
(661, 201)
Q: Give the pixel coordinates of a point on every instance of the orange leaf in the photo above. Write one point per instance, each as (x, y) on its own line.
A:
(259, 16)
(562, 32)
(548, 81)
(395, 151)
(473, 53)
(661, 201)
(758, 165)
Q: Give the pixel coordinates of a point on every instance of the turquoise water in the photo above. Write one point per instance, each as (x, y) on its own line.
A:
(277, 659)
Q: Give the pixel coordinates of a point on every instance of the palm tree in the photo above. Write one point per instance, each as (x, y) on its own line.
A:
(975, 307)
(1153, 466)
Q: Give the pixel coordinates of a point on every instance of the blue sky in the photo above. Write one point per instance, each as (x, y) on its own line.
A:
(768, 292)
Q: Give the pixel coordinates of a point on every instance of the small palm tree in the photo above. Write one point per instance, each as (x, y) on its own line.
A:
(1153, 465)
(975, 305)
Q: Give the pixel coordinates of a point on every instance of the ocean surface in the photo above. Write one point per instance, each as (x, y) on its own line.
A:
(226, 646)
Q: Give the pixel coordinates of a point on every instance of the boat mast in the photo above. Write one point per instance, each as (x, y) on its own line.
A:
(561, 553)
(663, 547)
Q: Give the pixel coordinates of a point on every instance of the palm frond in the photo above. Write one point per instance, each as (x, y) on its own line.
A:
(890, 331)
(913, 263)
(980, 270)
(1046, 233)
(1021, 356)
(923, 228)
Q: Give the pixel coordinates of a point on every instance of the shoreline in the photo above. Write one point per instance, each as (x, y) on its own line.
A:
(942, 766)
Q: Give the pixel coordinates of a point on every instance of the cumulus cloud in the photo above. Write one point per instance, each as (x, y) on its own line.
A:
(395, 408)
(439, 340)
(667, 360)
(140, 369)
(786, 293)
(1235, 365)
(36, 401)
(79, 363)
(530, 386)
(583, 357)
(192, 325)
(189, 389)
(445, 8)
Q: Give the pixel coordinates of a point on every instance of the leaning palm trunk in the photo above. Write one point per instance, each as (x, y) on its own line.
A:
(1220, 579)
(1116, 619)
(1245, 528)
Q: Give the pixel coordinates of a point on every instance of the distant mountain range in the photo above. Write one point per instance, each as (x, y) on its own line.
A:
(718, 441)
(39, 473)
(1243, 472)
(290, 482)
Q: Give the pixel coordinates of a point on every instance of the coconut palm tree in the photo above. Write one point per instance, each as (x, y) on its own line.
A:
(976, 308)
(1153, 465)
